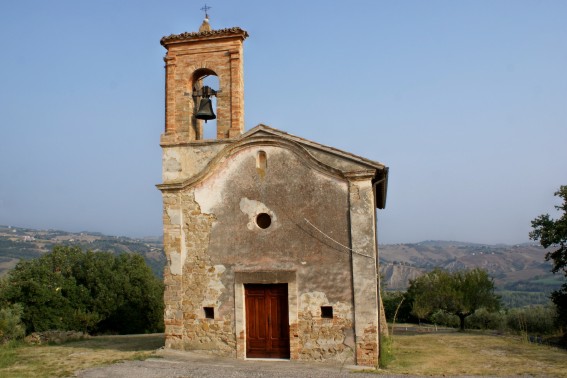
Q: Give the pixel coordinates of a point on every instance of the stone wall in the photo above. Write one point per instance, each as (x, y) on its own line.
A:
(192, 283)
(321, 338)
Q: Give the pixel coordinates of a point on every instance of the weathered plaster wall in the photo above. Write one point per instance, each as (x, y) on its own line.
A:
(218, 228)
(363, 231)
(181, 163)
(238, 191)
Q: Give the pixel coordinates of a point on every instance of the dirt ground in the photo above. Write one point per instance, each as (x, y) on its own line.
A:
(200, 365)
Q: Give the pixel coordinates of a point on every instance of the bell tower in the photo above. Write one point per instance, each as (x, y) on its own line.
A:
(189, 59)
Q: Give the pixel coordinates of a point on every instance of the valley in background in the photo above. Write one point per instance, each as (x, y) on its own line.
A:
(18, 243)
(520, 272)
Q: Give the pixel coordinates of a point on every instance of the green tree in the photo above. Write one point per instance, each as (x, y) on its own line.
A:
(460, 293)
(44, 288)
(420, 308)
(140, 305)
(552, 233)
(396, 305)
(68, 289)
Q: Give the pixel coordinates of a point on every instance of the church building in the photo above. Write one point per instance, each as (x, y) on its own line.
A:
(270, 238)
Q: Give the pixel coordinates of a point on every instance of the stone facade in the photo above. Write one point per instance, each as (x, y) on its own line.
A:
(263, 207)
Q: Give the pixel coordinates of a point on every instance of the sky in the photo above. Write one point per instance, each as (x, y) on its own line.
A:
(465, 101)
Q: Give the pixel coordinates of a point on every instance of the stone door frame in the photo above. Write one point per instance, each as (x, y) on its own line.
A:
(264, 277)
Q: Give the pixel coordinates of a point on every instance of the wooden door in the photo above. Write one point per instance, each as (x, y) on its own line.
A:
(267, 321)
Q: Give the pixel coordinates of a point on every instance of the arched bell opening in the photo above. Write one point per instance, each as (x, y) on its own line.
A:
(205, 85)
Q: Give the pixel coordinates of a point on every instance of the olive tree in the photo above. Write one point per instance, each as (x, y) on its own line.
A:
(460, 293)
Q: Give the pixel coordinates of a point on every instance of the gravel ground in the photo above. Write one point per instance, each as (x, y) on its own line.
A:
(198, 365)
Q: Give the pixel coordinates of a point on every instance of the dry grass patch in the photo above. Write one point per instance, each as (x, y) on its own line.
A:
(474, 354)
(63, 360)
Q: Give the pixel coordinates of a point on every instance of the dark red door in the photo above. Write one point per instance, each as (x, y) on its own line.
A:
(267, 322)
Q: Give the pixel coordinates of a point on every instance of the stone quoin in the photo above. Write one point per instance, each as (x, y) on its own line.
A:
(270, 238)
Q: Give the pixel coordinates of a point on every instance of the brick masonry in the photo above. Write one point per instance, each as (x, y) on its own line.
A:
(190, 57)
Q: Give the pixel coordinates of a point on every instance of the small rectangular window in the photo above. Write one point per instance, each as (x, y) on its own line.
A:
(327, 312)
(209, 312)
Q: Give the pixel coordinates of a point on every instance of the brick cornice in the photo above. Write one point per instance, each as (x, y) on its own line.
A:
(197, 36)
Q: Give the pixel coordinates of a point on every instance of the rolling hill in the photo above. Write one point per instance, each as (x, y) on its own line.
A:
(18, 243)
(520, 272)
(505, 263)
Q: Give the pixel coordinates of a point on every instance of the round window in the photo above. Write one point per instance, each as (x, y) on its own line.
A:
(263, 220)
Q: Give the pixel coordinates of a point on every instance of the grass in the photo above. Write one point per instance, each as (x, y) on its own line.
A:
(8, 354)
(434, 353)
(22, 360)
(386, 351)
(453, 354)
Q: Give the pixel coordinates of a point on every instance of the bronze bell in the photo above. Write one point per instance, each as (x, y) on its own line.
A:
(205, 110)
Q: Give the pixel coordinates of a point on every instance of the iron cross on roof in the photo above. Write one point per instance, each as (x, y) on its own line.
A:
(206, 9)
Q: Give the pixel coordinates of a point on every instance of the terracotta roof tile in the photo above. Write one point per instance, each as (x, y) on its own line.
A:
(211, 33)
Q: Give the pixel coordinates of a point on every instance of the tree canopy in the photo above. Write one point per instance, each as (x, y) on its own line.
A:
(68, 289)
(460, 293)
(552, 233)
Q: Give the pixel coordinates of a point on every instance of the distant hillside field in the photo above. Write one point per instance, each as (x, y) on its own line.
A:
(520, 272)
(22, 243)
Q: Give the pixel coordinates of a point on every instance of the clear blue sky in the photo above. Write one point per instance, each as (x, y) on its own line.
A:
(465, 101)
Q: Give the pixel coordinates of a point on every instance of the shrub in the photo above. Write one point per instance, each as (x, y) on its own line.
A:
(11, 326)
(484, 319)
(443, 318)
(533, 320)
